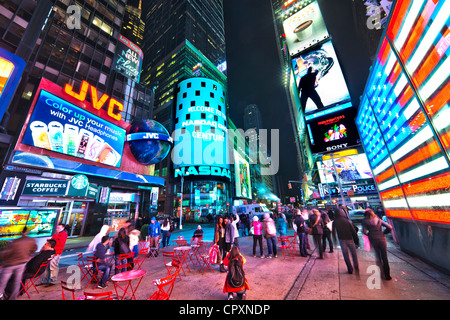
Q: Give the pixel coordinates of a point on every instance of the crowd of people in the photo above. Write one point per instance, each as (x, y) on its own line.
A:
(322, 226)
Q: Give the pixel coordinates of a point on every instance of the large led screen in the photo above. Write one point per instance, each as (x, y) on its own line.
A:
(349, 169)
(39, 222)
(60, 126)
(200, 137)
(333, 132)
(305, 28)
(329, 83)
(420, 32)
(242, 177)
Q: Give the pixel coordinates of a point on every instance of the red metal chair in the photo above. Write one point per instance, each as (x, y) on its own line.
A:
(89, 295)
(66, 288)
(128, 257)
(204, 257)
(293, 241)
(84, 267)
(93, 273)
(285, 246)
(171, 262)
(165, 287)
(30, 283)
(139, 260)
(181, 242)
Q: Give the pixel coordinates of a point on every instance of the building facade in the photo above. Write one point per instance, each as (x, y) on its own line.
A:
(70, 54)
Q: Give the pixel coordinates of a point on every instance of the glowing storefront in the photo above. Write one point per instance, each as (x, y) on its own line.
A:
(404, 127)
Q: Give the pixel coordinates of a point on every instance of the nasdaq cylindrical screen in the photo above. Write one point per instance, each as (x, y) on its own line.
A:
(200, 137)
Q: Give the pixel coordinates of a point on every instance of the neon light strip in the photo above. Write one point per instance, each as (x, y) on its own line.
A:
(393, 193)
(436, 183)
(429, 37)
(411, 18)
(441, 120)
(399, 11)
(422, 215)
(383, 166)
(402, 214)
(439, 76)
(429, 168)
(389, 184)
(417, 140)
(385, 175)
(418, 156)
(399, 203)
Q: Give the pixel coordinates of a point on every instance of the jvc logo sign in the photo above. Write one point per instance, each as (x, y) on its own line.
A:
(73, 20)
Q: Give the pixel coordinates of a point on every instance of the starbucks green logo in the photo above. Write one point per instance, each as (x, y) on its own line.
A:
(79, 181)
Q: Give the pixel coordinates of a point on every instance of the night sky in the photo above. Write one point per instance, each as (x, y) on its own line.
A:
(255, 75)
(254, 70)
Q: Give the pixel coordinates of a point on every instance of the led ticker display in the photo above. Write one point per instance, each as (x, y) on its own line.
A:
(324, 61)
(200, 138)
(305, 28)
(62, 127)
(333, 132)
(242, 177)
(420, 33)
(409, 165)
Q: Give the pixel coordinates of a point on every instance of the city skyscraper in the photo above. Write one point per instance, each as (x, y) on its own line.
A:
(182, 39)
(133, 26)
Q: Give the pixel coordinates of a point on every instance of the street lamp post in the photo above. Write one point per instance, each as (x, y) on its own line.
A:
(181, 202)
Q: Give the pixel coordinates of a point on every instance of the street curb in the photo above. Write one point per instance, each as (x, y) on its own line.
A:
(297, 286)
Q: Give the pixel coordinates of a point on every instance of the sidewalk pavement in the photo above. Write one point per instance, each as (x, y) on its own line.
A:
(298, 278)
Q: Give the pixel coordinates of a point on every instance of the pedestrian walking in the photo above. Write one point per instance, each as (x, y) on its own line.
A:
(14, 258)
(219, 239)
(270, 234)
(50, 275)
(302, 232)
(316, 224)
(235, 282)
(326, 232)
(154, 234)
(234, 221)
(373, 228)
(165, 229)
(134, 235)
(305, 214)
(256, 229)
(281, 223)
(348, 239)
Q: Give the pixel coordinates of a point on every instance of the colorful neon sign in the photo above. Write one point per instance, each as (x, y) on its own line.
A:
(97, 103)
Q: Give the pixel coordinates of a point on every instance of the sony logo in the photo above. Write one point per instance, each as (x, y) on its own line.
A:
(337, 147)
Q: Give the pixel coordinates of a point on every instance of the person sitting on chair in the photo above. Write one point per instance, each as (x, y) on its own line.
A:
(46, 254)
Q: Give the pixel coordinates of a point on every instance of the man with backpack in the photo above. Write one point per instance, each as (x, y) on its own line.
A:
(235, 282)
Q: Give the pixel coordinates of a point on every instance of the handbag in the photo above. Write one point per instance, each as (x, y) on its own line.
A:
(366, 241)
(213, 254)
(330, 225)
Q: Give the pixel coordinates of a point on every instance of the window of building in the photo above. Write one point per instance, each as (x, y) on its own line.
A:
(203, 116)
(197, 92)
(184, 94)
(188, 116)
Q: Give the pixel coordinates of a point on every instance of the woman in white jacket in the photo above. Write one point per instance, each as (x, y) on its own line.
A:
(104, 231)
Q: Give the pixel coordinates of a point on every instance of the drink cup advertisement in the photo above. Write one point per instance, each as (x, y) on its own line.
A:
(305, 29)
(59, 126)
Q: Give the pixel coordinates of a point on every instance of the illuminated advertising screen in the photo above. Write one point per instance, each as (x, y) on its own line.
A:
(420, 32)
(200, 137)
(349, 169)
(242, 177)
(11, 69)
(128, 59)
(62, 127)
(66, 131)
(333, 132)
(329, 83)
(409, 164)
(305, 28)
(39, 222)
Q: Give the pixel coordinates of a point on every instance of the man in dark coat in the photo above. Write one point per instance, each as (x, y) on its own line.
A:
(347, 238)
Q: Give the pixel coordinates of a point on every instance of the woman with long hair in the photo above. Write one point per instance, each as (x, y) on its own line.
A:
(234, 256)
(373, 228)
(219, 239)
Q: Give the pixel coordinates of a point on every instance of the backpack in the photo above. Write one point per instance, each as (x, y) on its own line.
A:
(271, 229)
(236, 274)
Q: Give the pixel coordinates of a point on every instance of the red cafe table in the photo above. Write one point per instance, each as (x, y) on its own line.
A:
(127, 277)
(182, 253)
